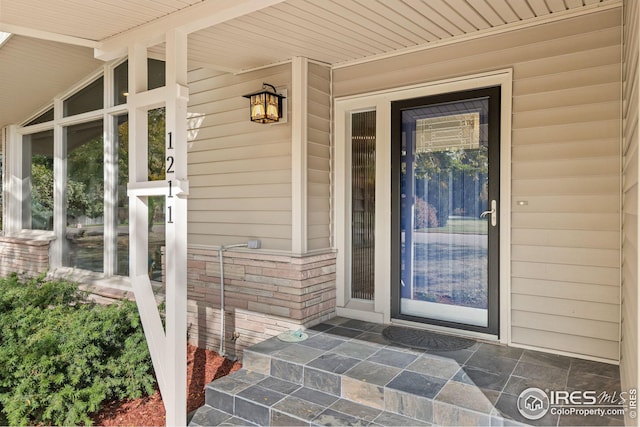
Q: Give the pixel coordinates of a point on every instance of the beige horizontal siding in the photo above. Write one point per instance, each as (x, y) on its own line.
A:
(588, 133)
(239, 217)
(258, 205)
(629, 331)
(318, 157)
(566, 238)
(560, 168)
(565, 342)
(567, 273)
(564, 290)
(562, 149)
(566, 129)
(568, 325)
(239, 172)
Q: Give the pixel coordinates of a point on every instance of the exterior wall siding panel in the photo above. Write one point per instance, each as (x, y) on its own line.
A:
(318, 157)
(565, 163)
(238, 169)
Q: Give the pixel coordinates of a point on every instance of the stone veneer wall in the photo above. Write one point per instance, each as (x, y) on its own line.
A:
(28, 257)
(264, 295)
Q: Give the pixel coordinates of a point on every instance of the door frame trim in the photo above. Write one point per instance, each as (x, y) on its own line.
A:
(380, 310)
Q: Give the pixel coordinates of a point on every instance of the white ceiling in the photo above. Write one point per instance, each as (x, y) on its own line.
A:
(36, 65)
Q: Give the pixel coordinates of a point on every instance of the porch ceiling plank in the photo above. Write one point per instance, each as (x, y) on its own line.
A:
(337, 33)
(287, 46)
(433, 15)
(383, 14)
(341, 32)
(353, 15)
(453, 16)
(45, 35)
(206, 48)
(470, 14)
(485, 10)
(344, 15)
(573, 3)
(93, 19)
(406, 17)
(556, 5)
(312, 31)
(503, 8)
(539, 7)
(522, 9)
(202, 15)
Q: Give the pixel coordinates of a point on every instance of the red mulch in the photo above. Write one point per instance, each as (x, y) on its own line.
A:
(203, 366)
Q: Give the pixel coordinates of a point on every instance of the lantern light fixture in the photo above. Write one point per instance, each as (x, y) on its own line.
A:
(265, 105)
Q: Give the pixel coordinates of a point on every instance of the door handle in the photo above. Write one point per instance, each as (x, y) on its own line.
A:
(492, 212)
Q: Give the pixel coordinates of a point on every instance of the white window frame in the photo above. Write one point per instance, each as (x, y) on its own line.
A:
(379, 310)
(13, 161)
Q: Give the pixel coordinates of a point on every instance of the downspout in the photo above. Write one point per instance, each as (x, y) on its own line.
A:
(251, 244)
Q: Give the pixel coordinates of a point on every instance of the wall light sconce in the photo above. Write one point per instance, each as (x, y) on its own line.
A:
(266, 105)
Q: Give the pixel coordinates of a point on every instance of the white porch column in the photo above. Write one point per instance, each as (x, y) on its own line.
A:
(168, 349)
(176, 228)
(59, 189)
(299, 83)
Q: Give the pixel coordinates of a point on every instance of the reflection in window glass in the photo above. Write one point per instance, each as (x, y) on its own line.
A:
(120, 83)
(85, 197)
(47, 116)
(155, 74)
(90, 98)
(37, 205)
(155, 79)
(156, 172)
(156, 158)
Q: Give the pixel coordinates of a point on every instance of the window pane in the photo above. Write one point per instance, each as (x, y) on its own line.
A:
(85, 197)
(363, 189)
(122, 132)
(155, 79)
(89, 98)
(121, 83)
(37, 205)
(47, 116)
(155, 74)
(157, 205)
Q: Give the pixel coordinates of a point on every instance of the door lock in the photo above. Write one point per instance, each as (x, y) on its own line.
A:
(492, 212)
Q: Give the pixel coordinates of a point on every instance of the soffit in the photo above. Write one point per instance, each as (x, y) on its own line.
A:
(343, 31)
(87, 19)
(335, 32)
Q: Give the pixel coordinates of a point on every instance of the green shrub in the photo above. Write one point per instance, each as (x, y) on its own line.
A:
(62, 356)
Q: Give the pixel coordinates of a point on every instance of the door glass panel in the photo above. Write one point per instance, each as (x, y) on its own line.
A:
(444, 191)
(363, 188)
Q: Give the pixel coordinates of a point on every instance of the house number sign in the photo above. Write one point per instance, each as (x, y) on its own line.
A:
(170, 151)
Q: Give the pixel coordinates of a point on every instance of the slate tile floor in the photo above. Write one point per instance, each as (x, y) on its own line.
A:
(346, 373)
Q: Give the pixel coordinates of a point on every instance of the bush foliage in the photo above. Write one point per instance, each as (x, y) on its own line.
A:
(426, 215)
(62, 356)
